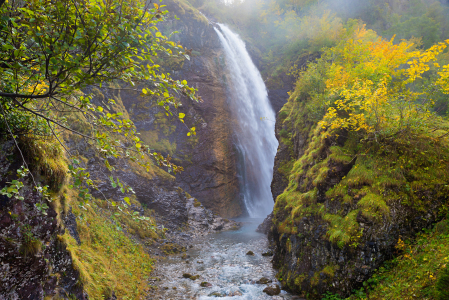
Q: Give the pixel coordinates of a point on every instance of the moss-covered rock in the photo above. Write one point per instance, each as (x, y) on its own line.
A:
(342, 203)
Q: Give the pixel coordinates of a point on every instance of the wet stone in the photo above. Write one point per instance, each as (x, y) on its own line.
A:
(235, 293)
(268, 253)
(264, 280)
(250, 253)
(205, 284)
(272, 290)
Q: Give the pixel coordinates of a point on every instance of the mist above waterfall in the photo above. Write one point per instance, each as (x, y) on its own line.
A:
(254, 128)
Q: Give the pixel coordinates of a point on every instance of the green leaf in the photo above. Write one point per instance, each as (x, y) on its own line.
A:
(127, 200)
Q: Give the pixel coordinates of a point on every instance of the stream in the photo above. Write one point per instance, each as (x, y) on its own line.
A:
(220, 260)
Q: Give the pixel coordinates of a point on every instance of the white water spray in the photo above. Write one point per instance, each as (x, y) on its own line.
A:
(256, 141)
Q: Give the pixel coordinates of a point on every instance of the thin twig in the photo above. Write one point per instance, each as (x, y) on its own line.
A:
(49, 125)
(17, 145)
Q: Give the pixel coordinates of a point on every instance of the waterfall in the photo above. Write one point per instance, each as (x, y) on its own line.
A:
(255, 139)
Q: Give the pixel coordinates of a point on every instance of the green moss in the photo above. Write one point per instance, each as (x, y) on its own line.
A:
(342, 229)
(300, 279)
(48, 159)
(373, 207)
(171, 248)
(108, 258)
(340, 156)
(160, 144)
(186, 8)
(196, 203)
(419, 272)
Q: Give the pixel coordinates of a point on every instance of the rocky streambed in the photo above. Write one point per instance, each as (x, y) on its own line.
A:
(234, 264)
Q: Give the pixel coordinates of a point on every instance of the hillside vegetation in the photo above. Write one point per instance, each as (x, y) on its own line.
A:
(370, 159)
(291, 31)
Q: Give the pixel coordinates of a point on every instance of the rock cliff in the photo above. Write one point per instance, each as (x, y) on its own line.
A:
(208, 158)
(342, 205)
(34, 261)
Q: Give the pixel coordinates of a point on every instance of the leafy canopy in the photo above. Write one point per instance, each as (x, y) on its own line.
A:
(50, 51)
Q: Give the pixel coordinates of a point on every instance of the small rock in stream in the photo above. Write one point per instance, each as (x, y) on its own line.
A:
(195, 277)
(205, 284)
(264, 280)
(272, 290)
(268, 253)
(186, 275)
(250, 253)
(235, 293)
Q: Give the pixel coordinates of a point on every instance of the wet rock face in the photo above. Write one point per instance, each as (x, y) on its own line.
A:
(309, 262)
(342, 269)
(266, 224)
(202, 220)
(33, 261)
(209, 158)
(211, 176)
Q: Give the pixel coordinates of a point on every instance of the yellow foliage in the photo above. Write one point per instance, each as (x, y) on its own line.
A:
(369, 82)
(443, 81)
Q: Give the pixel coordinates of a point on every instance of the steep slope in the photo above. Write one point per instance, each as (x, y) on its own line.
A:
(343, 202)
(84, 249)
(34, 260)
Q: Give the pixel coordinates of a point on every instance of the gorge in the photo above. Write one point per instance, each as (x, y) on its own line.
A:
(142, 146)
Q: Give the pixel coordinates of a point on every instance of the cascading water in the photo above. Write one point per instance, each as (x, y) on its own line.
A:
(254, 130)
(221, 262)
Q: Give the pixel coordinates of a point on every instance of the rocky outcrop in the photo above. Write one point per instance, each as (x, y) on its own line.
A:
(182, 216)
(208, 159)
(202, 221)
(337, 218)
(34, 261)
(265, 226)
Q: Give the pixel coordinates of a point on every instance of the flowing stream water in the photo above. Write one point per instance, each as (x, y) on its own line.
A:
(220, 260)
